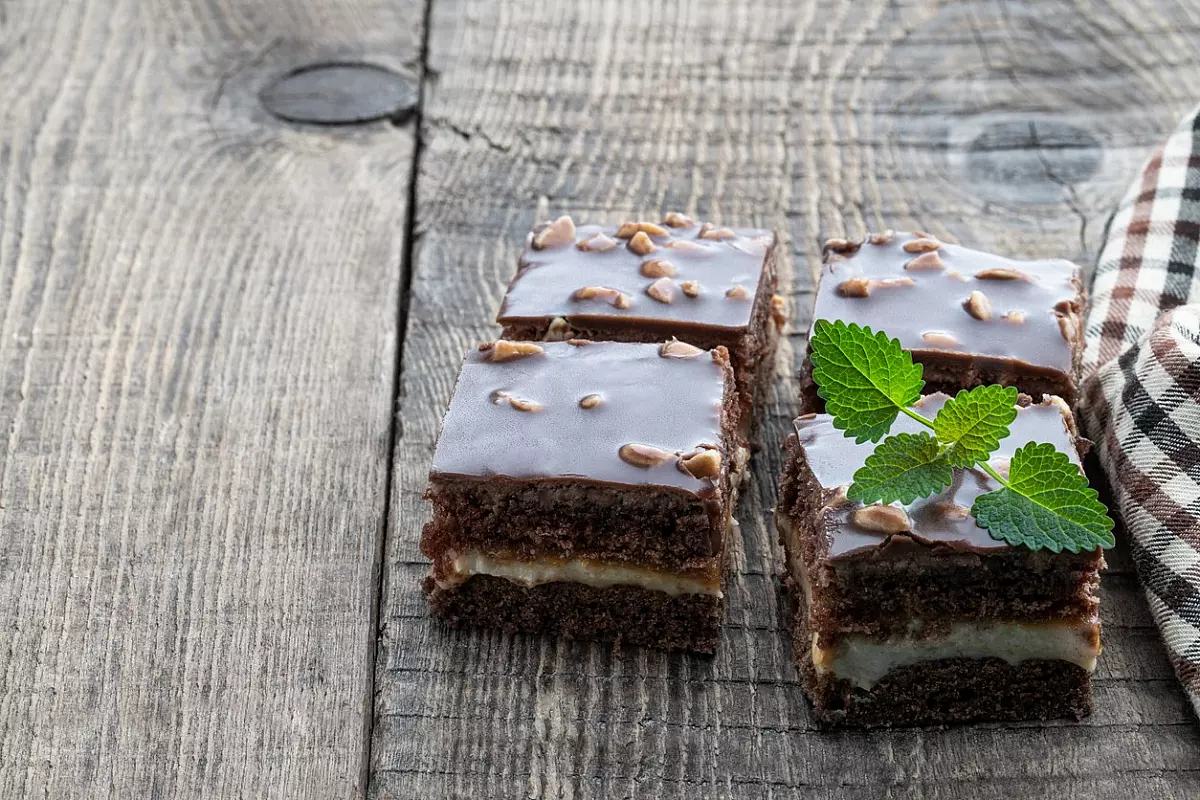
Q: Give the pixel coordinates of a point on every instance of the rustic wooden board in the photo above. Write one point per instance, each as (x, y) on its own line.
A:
(1010, 126)
(197, 357)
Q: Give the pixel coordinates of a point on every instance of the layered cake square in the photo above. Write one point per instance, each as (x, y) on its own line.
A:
(587, 489)
(971, 318)
(913, 615)
(704, 284)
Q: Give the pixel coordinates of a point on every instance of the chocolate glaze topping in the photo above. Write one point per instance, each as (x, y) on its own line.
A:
(942, 520)
(928, 305)
(605, 412)
(694, 275)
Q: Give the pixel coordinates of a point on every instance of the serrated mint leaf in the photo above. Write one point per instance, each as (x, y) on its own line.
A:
(902, 468)
(1047, 505)
(973, 423)
(864, 377)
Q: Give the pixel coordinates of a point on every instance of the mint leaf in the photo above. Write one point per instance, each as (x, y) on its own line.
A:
(974, 422)
(864, 377)
(903, 467)
(1046, 505)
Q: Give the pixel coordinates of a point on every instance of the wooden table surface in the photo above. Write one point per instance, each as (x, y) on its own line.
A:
(229, 330)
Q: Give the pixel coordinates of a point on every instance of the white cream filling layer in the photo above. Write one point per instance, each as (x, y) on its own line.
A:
(864, 661)
(599, 574)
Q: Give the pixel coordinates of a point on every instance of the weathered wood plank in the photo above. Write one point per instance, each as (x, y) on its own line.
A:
(1011, 126)
(197, 349)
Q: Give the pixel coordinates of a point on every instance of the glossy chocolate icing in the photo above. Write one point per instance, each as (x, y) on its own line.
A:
(833, 460)
(673, 404)
(547, 280)
(920, 307)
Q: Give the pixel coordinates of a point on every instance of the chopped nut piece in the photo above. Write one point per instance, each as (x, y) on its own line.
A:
(952, 510)
(921, 245)
(557, 330)
(929, 260)
(891, 283)
(854, 287)
(630, 229)
(579, 342)
(677, 349)
(701, 464)
(978, 306)
(590, 401)
(882, 519)
(842, 245)
(882, 238)
(690, 288)
(676, 220)
(687, 245)
(657, 268)
(504, 350)
(737, 292)
(940, 339)
(521, 404)
(613, 297)
(1015, 317)
(710, 231)
(597, 243)
(662, 290)
(1068, 326)
(556, 234)
(640, 243)
(643, 455)
(779, 310)
(923, 235)
(1001, 274)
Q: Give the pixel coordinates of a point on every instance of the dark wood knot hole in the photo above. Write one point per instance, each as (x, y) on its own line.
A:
(340, 94)
(1041, 158)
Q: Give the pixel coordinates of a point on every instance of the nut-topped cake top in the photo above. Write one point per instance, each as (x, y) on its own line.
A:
(943, 519)
(679, 270)
(936, 296)
(606, 412)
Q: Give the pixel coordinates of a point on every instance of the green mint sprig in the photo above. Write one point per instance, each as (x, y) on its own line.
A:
(867, 379)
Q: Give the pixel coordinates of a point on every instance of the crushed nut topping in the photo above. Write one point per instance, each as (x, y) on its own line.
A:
(504, 350)
(854, 287)
(710, 231)
(690, 288)
(597, 243)
(677, 349)
(779, 310)
(940, 339)
(613, 297)
(557, 330)
(1068, 326)
(676, 220)
(500, 397)
(882, 238)
(1001, 274)
(640, 243)
(701, 464)
(737, 292)
(952, 510)
(842, 245)
(882, 519)
(657, 268)
(924, 261)
(978, 306)
(686, 245)
(922, 245)
(630, 229)
(662, 290)
(590, 401)
(1015, 317)
(643, 455)
(556, 234)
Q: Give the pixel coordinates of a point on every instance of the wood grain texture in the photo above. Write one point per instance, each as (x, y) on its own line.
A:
(1004, 125)
(197, 353)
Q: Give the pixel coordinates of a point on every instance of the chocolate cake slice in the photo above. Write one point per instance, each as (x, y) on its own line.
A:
(971, 318)
(908, 615)
(645, 282)
(586, 489)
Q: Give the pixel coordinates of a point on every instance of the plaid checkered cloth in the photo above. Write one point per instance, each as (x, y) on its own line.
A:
(1141, 393)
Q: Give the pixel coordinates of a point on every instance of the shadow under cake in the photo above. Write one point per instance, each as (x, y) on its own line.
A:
(910, 615)
(586, 489)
